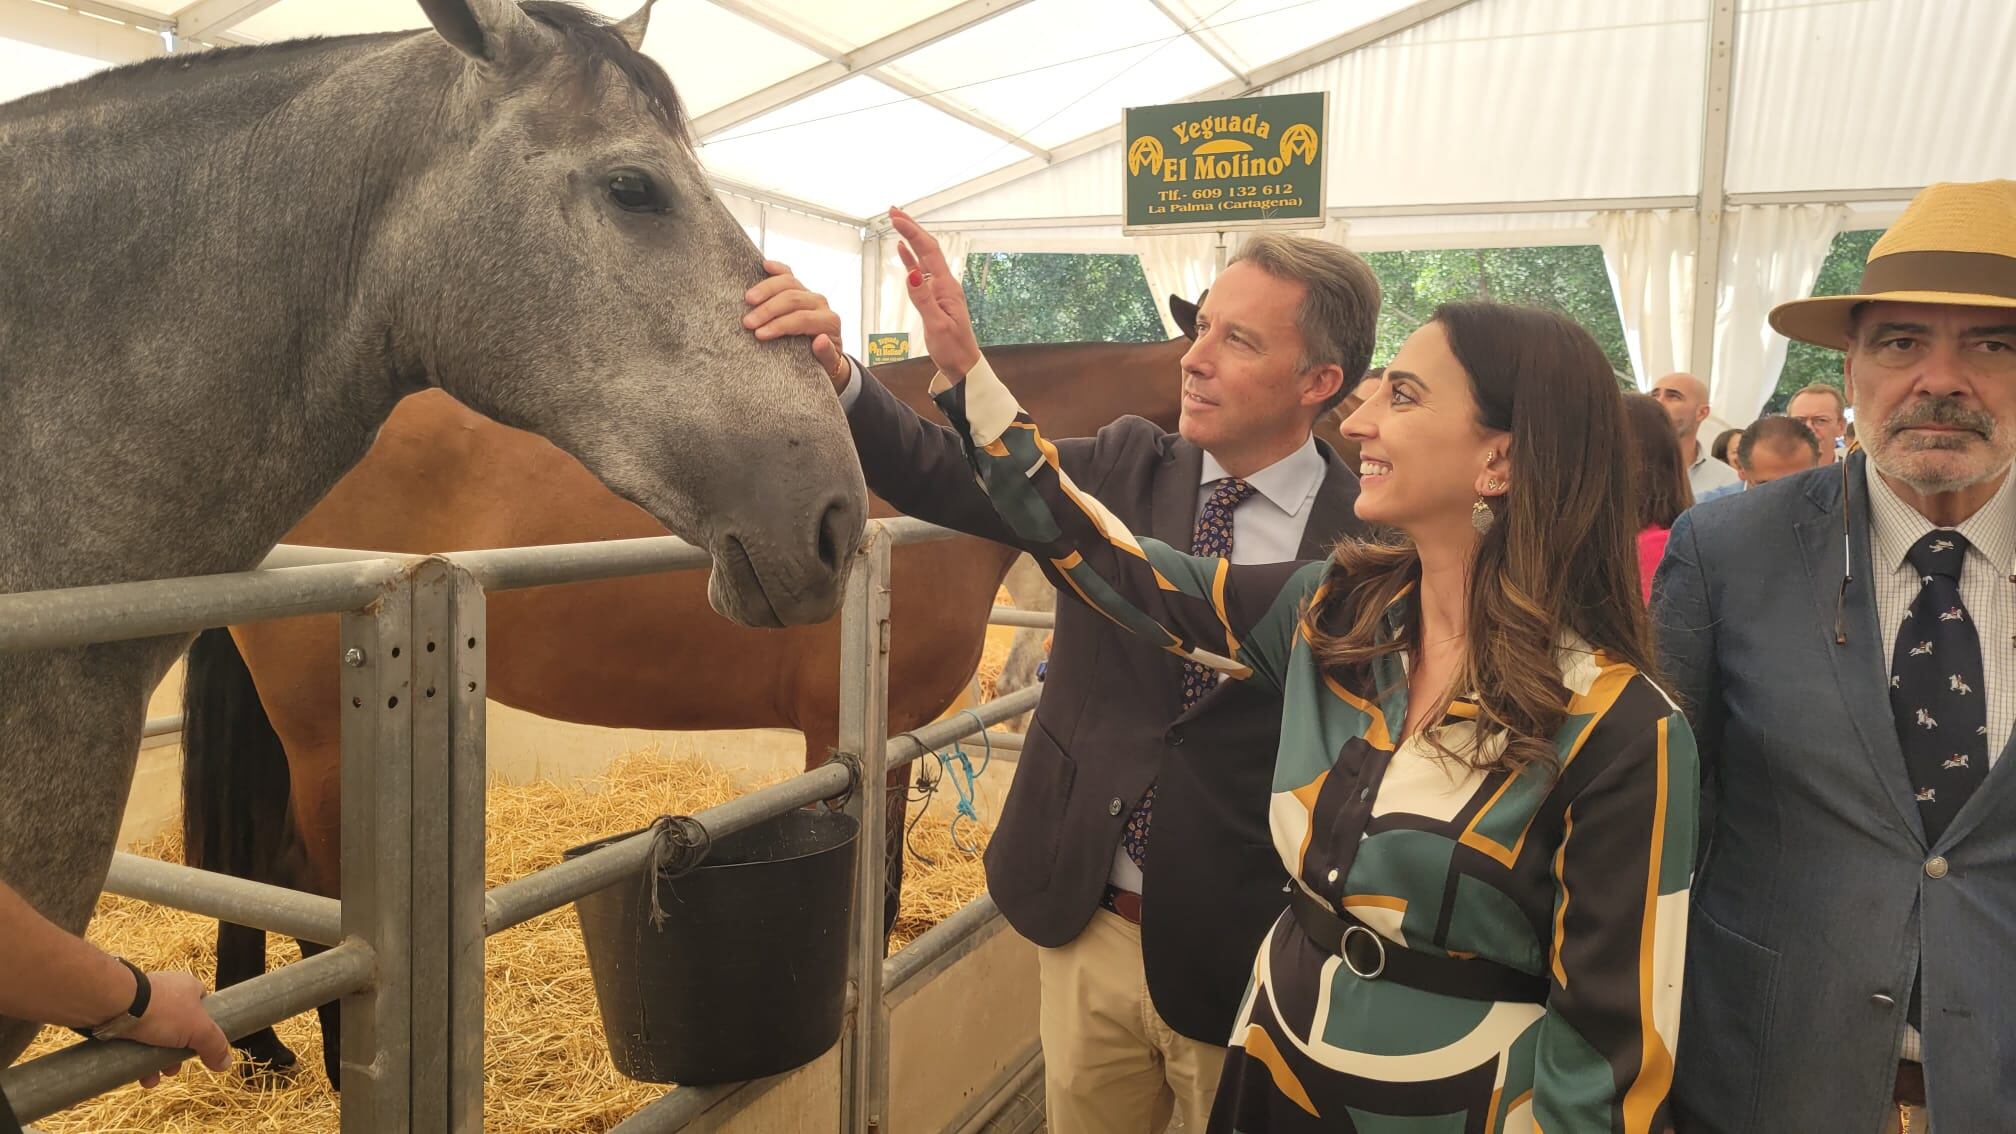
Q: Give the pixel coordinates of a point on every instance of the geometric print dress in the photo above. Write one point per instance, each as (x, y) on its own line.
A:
(1579, 877)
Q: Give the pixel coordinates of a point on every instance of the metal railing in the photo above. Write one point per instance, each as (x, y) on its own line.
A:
(408, 934)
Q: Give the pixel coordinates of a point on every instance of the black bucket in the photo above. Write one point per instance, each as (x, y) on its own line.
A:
(747, 974)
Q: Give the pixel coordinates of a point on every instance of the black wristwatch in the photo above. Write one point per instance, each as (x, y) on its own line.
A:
(126, 1021)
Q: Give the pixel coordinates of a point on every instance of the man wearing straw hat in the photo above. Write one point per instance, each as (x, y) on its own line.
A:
(1845, 641)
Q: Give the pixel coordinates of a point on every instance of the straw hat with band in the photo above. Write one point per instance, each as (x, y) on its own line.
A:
(1955, 243)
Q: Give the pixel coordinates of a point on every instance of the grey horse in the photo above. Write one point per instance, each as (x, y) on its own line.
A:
(219, 272)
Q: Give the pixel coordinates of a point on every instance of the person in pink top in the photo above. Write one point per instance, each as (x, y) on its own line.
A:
(1663, 491)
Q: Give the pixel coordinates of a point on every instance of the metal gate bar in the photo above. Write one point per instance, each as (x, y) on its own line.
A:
(409, 965)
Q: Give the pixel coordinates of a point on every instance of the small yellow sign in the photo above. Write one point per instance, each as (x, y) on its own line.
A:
(891, 346)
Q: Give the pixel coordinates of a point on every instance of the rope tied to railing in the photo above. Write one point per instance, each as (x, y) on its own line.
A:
(852, 763)
(678, 844)
(964, 777)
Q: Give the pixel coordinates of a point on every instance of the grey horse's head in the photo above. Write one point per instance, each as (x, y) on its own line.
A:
(563, 265)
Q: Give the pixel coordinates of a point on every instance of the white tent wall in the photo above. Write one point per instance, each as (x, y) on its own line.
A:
(1871, 95)
(1509, 100)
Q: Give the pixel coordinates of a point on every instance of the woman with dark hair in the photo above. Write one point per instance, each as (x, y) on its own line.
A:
(1663, 490)
(1720, 450)
(1486, 808)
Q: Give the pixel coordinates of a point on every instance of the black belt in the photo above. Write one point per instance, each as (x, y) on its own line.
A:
(1372, 957)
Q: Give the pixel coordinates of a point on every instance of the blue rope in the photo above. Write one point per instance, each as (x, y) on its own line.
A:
(963, 782)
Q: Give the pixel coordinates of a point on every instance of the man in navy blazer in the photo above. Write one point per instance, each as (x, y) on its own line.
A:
(1845, 642)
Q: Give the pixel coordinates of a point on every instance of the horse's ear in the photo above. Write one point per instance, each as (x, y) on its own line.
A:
(1185, 313)
(480, 29)
(631, 28)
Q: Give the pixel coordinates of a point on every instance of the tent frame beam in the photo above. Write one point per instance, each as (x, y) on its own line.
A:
(903, 84)
(1366, 35)
(205, 17)
(103, 29)
(1712, 209)
(1210, 44)
(774, 199)
(1477, 208)
(841, 65)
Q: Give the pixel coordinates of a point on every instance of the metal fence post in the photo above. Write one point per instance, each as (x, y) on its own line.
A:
(864, 735)
(413, 777)
(377, 834)
(449, 645)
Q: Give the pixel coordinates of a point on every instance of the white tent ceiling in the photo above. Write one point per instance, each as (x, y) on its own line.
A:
(1453, 121)
(1006, 110)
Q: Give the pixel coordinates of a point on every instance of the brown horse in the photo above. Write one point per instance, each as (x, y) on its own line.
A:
(260, 774)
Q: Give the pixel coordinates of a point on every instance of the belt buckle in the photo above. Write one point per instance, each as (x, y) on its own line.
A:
(1344, 951)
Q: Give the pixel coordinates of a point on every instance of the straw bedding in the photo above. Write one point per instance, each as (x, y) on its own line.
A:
(546, 1066)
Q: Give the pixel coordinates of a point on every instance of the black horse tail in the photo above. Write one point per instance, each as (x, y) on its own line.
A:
(234, 806)
(234, 770)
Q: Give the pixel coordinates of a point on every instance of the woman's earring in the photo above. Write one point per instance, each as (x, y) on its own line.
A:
(1481, 516)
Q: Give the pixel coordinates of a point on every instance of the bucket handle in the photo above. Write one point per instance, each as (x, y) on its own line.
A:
(679, 843)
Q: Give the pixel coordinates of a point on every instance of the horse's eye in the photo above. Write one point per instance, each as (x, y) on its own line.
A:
(634, 190)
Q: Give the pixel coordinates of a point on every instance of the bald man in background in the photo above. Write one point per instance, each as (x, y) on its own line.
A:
(1685, 399)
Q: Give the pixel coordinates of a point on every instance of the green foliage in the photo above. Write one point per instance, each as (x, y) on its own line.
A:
(1570, 279)
(1840, 274)
(1047, 297)
(1042, 297)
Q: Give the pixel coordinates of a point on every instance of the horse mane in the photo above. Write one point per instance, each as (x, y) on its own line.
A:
(588, 36)
(594, 39)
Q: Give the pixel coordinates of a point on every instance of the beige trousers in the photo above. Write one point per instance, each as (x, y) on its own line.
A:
(1111, 1064)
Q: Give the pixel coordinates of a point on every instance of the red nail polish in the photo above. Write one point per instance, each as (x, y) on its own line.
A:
(916, 277)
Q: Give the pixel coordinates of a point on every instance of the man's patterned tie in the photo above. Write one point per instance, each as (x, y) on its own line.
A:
(1936, 697)
(1212, 537)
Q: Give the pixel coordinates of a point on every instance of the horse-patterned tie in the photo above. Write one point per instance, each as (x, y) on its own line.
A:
(1936, 695)
(1212, 537)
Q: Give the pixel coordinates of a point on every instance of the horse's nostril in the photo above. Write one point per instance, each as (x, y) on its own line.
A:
(839, 532)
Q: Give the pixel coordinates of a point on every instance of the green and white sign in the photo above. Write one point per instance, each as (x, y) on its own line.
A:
(1233, 164)
(890, 346)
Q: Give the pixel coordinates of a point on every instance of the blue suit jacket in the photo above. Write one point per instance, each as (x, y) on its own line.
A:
(1816, 895)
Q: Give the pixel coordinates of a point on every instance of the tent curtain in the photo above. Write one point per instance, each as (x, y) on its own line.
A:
(1650, 256)
(1177, 265)
(1770, 254)
(893, 311)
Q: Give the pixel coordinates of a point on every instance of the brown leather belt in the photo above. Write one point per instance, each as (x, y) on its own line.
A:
(1910, 1083)
(1126, 903)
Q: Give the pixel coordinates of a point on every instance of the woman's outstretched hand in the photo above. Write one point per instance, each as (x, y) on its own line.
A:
(935, 292)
